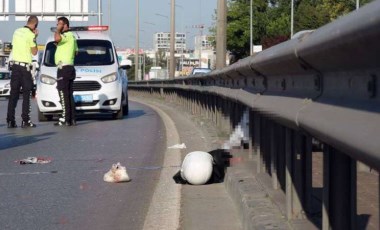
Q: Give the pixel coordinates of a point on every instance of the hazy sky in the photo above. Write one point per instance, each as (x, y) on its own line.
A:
(123, 20)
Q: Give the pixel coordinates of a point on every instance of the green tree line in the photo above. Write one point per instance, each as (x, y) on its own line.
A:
(271, 20)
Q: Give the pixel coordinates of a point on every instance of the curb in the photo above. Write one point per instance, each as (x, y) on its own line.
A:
(255, 208)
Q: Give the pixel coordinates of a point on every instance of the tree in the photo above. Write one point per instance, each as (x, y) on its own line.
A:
(271, 20)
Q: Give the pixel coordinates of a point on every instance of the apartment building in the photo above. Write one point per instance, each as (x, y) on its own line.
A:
(161, 41)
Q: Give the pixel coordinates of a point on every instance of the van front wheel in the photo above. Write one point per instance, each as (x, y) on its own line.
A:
(42, 117)
(119, 114)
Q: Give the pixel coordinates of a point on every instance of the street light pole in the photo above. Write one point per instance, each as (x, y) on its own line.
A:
(99, 12)
(250, 29)
(221, 39)
(109, 15)
(291, 18)
(172, 40)
(137, 42)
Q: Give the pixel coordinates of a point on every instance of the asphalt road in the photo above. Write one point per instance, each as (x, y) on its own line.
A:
(69, 192)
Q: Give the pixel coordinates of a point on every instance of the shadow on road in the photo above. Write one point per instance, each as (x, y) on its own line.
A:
(12, 140)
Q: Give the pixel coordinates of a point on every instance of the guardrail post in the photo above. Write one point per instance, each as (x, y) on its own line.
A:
(326, 189)
(250, 133)
(308, 173)
(289, 186)
(298, 176)
(199, 104)
(202, 99)
(340, 196)
(273, 154)
(207, 106)
(264, 144)
(280, 133)
(176, 98)
(257, 140)
(227, 116)
(214, 109)
(194, 103)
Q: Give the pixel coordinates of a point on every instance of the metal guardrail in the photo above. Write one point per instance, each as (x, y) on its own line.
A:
(325, 83)
(322, 85)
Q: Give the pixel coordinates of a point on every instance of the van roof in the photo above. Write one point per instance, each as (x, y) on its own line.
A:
(96, 35)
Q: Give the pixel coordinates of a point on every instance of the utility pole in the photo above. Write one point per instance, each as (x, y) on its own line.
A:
(99, 12)
(291, 18)
(137, 42)
(172, 41)
(251, 30)
(109, 16)
(221, 38)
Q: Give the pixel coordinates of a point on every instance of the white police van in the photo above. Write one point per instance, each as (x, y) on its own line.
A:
(101, 82)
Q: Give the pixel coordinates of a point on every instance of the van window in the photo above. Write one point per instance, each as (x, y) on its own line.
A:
(90, 53)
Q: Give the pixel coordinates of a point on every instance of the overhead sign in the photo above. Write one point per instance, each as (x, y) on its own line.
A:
(4, 8)
(69, 8)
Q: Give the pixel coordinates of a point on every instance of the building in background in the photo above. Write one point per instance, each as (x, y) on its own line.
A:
(204, 51)
(161, 41)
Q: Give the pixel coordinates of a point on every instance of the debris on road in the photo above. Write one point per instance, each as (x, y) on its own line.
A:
(116, 174)
(34, 160)
(178, 146)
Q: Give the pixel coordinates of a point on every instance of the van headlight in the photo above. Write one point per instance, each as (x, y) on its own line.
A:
(109, 78)
(8, 85)
(47, 80)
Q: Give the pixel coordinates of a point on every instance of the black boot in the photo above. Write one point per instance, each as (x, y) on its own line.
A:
(61, 122)
(73, 122)
(11, 124)
(27, 124)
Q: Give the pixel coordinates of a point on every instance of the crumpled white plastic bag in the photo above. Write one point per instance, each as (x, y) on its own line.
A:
(178, 146)
(117, 174)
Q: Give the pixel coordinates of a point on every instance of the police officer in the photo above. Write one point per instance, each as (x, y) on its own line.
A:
(23, 46)
(64, 59)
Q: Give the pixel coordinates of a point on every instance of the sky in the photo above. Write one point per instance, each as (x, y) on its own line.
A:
(154, 17)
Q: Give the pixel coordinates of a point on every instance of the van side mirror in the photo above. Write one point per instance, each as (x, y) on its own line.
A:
(126, 64)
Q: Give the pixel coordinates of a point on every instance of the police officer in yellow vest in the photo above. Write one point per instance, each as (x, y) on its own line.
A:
(23, 46)
(64, 59)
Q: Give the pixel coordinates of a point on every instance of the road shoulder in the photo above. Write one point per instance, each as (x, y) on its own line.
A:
(204, 206)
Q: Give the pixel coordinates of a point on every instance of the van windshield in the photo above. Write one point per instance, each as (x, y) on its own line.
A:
(90, 53)
(5, 76)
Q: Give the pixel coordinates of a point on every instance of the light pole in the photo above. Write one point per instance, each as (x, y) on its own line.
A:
(221, 39)
(291, 18)
(137, 43)
(109, 15)
(251, 30)
(172, 40)
(182, 39)
(357, 4)
(99, 12)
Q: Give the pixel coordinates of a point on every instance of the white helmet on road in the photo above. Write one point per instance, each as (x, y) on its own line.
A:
(197, 167)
